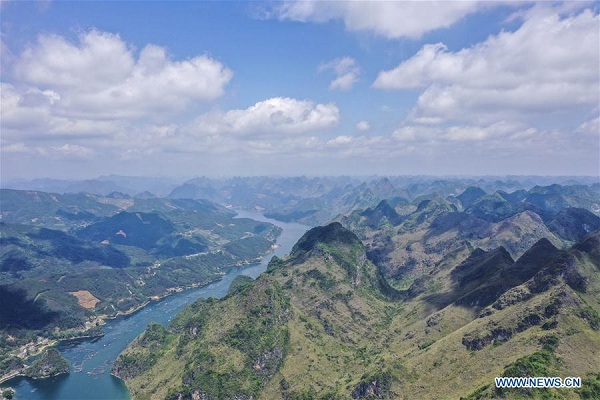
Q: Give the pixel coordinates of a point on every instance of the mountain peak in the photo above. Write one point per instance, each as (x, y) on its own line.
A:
(383, 210)
(145, 195)
(337, 242)
(470, 195)
(333, 234)
(540, 253)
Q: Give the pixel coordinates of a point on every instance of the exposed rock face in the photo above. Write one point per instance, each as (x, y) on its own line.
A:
(373, 387)
(495, 334)
(268, 362)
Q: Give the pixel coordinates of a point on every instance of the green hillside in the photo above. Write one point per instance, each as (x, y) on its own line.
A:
(67, 261)
(324, 324)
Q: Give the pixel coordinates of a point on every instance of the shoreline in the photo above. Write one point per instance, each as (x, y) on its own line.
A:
(153, 300)
(169, 292)
(13, 375)
(101, 319)
(51, 343)
(178, 289)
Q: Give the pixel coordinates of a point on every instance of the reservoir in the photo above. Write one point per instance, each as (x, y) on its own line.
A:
(91, 360)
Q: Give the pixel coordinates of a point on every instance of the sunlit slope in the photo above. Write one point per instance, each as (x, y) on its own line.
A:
(325, 324)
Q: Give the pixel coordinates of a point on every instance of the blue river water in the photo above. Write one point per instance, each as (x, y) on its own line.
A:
(92, 360)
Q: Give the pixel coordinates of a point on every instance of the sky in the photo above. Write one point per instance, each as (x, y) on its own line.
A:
(299, 88)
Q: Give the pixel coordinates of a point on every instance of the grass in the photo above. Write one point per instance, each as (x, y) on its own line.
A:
(337, 333)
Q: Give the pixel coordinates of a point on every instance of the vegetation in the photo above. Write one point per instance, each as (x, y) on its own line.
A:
(316, 201)
(480, 299)
(150, 343)
(248, 346)
(240, 282)
(50, 363)
(116, 252)
(590, 387)
(427, 294)
(7, 393)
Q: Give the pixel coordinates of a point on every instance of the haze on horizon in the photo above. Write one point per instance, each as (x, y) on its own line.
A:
(299, 88)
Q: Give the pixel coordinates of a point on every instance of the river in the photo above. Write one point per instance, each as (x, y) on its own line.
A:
(91, 360)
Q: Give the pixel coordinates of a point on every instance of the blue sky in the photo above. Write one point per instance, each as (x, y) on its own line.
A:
(313, 88)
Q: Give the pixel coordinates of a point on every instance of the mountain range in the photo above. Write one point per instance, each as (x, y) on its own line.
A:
(429, 298)
(316, 200)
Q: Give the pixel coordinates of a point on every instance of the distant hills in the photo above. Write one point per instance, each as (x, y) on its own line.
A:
(103, 186)
(316, 200)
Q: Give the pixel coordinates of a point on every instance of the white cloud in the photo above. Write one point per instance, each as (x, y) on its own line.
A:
(69, 97)
(29, 113)
(67, 150)
(100, 59)
(72, 150)
(340, 140)
(460, 133)
(391, 19)
(591, 127)
(363, 126)
(17, 116)
(16, 148)
(548, 65)
(510, 103)
(101, 77)
(278, 115)
(499, 131)
(346, 72)
(416, 71)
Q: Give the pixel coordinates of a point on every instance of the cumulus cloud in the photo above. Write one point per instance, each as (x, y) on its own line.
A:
(99, 87)
(515, 100)
(100, 59)
(346, 72)
(390, 19)
(28, 113)
(278, 115)
(16, 115)
(100, 76)
(363, 126)
(548, 65)
(98, 98)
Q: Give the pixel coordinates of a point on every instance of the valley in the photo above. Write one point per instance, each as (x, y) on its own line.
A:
(61, 276)
(91, 359)
(386, 300)
(389, 300)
